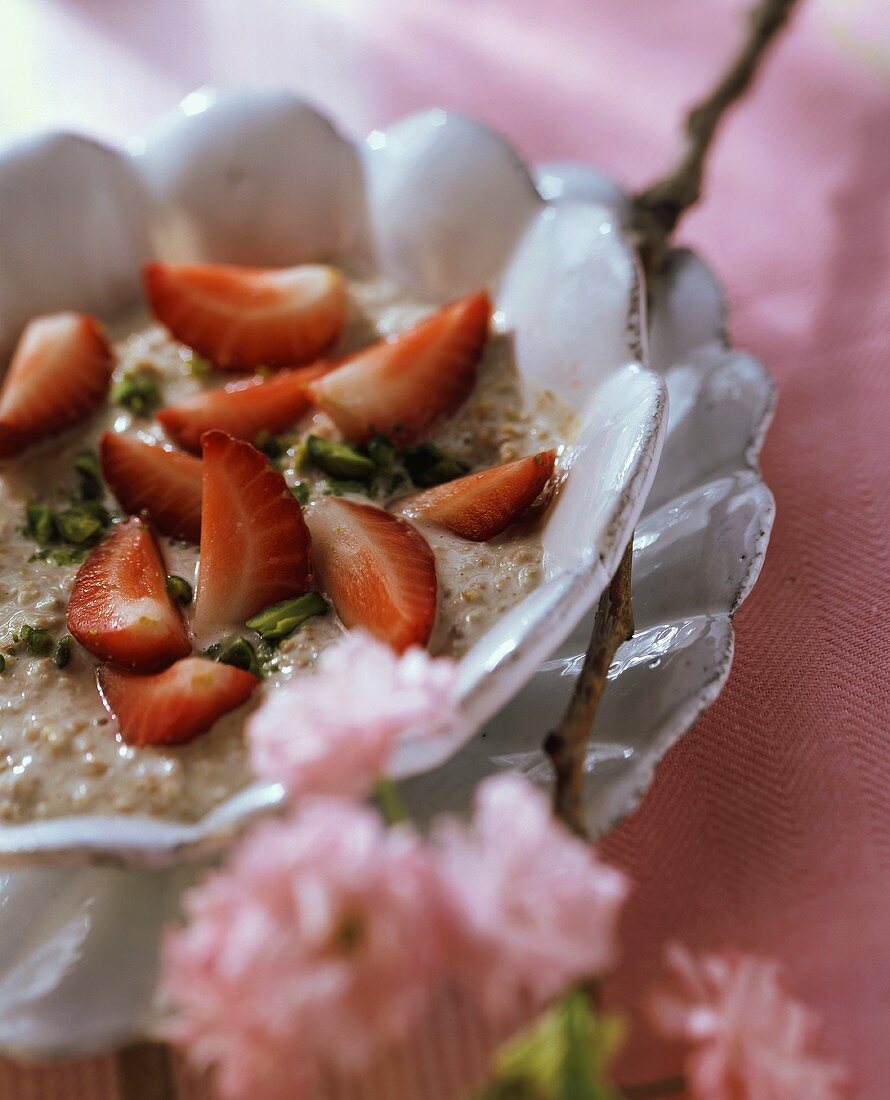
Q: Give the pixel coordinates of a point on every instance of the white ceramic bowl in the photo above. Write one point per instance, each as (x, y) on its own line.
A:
(439, 204)
(442, 204)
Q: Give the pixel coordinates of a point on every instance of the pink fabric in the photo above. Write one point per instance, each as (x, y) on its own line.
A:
(767, 826)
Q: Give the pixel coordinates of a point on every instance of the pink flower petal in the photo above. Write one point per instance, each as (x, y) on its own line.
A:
(749, 1040)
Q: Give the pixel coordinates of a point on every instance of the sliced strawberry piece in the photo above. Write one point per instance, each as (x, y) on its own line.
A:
(173, 706)
(244, 317)
(401, 386)
(254, 540)
(59, 374)
(378, 570)
(120, 609)
(479, 506)
(164, 485)
(243, 409)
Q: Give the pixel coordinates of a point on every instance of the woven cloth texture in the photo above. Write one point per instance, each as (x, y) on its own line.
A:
(768, 826)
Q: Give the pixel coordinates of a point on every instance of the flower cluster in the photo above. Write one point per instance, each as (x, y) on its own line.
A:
(748, 1039)
(334, 731)
(328, 934)
(320, 938)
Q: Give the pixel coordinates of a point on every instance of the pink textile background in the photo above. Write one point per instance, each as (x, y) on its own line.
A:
(769, 824)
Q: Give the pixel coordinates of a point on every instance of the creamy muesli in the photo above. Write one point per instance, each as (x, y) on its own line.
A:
(60, 751)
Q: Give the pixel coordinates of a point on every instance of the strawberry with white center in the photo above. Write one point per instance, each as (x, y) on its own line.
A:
(378, 570)
(254, 540)
(148, 479)
(243, 409)
(120, 609)
(401, 386)
(175, 705)
(245, 317)
(60, 373)
(479, 506)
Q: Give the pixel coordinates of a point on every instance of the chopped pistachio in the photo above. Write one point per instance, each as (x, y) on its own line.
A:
(429, 465)
(96, 509)
(86, 463)
(337, 488)
(136, 391)
(62, 655)
(301, 454)
(239, 653)
(79, 524)
(271, 445)
(197, 366)
(213, 650)
(281, 619)
(41, 523)
(62, 555)
(38, 640)
(382, 452)
(301, 492)
(340, 460)
(180, 589)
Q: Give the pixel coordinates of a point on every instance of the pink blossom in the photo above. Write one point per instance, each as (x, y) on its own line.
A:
(332, 731)
(749, 1039)
(322, 940)
(537, 908)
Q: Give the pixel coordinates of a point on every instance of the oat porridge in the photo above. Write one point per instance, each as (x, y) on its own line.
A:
(369, 477)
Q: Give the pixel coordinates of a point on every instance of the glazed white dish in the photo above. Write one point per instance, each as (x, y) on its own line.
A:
(442, 205)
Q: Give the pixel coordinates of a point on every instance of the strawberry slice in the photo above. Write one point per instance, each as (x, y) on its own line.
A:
(479, 506)
(59, 373)
(175, 705)
(146, 478)
(378, 570)
(119, 608)
(243, 409)
(254, 540)
(401, 386)
(242, 317)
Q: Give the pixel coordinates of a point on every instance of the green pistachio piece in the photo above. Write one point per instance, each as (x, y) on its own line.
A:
(63, 556)
(301, 492)
(240, 653)
(271, 446)
(62, 655)
(382, 452)
(79, 524)
(137, 391)
(281, 619)
(337, 488)
(301, 454)
(86, 463)
(197, 366)
(180, 589)
(429, 465)
(41, 523)
(340, 460)
(38, 640)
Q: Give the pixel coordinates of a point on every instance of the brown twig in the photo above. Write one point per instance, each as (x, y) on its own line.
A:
(648, 1090)
(567, 744)
(145, 1072)
(657, 210)
(655, 214)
